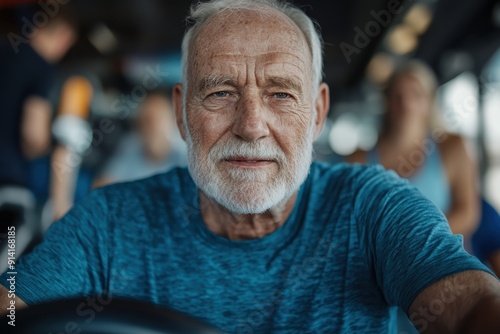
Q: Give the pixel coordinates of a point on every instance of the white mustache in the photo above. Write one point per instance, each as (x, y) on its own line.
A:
(253, 151)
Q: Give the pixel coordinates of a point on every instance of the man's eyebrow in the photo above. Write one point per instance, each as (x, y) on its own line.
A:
(212, 81)
(282, 82)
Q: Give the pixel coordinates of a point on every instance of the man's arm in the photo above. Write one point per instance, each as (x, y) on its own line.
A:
(418, 263)
(459, 303)
(5, 301)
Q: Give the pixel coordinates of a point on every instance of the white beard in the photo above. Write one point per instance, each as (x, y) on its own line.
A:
(249, 190)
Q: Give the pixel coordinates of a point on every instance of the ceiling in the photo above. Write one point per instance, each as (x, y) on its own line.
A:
(155, 26)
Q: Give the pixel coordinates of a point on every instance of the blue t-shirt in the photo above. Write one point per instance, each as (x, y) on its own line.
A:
(358, 241)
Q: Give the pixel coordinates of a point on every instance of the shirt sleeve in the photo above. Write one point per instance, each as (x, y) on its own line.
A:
(405, 237)
(71, 261)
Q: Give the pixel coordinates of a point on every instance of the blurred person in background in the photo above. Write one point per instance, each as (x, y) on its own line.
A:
(414, 144)
(73, 136)
(27, 67)
(151, 148)
(28, 71)
(27, 77)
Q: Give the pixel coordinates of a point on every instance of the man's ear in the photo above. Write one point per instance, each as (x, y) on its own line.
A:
(322, 107)
(178, 102)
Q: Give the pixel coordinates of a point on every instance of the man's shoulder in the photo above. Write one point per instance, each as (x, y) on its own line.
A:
(347, 172)
(351, 180)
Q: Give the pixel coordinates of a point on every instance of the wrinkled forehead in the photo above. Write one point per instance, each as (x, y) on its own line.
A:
(251, 34)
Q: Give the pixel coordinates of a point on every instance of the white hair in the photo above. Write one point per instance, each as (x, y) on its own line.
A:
(203, 11)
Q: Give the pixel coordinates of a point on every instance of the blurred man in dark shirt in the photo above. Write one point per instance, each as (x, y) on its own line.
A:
(27, 72)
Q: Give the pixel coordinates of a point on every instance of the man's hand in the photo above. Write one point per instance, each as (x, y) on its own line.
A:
(5, 302)
(463, 303)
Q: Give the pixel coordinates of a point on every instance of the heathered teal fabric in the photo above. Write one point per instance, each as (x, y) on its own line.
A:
(359, 240)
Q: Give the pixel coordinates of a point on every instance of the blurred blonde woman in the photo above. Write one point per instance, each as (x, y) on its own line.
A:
(414, 144)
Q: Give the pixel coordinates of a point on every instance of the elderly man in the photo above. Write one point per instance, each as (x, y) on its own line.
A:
(252, 237)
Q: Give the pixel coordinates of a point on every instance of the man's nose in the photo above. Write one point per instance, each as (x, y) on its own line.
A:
(250, 119)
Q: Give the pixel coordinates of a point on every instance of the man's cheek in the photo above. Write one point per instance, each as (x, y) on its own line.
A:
(290, 136)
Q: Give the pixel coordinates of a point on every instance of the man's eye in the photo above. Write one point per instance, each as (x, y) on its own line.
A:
(221, 94)
(281, 95)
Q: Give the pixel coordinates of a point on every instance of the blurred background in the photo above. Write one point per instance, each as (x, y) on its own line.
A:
(88, 83)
